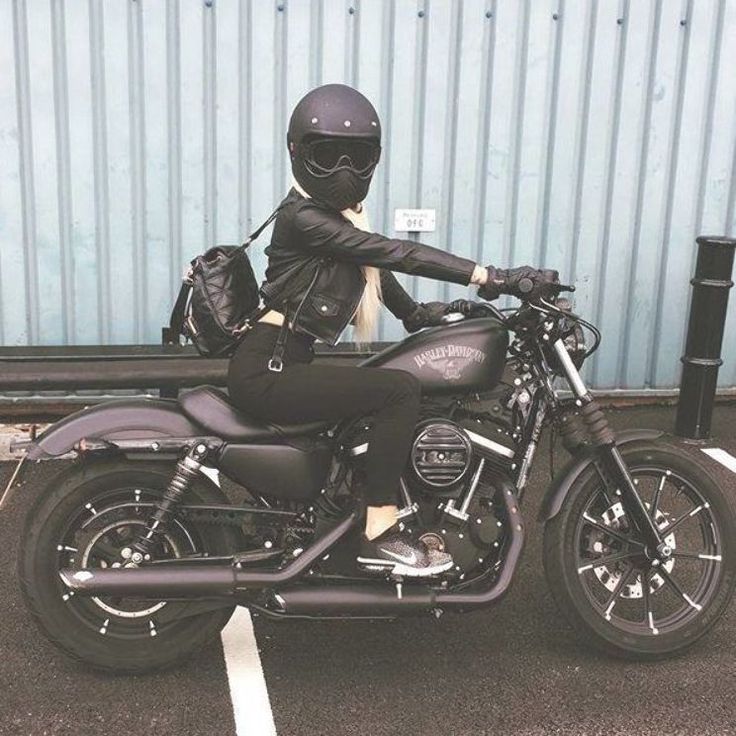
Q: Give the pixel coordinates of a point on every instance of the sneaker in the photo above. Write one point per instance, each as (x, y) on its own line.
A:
(396, 551)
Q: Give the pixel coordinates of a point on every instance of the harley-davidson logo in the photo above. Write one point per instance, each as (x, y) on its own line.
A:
(449, 360)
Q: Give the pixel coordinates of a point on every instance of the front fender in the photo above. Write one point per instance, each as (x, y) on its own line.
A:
(564, 480)
(114, 420)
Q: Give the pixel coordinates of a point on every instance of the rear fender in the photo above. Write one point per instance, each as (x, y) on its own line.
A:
(557, 492)
(115, 420)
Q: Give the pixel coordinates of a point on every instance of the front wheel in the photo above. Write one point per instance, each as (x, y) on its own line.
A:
(615, 593)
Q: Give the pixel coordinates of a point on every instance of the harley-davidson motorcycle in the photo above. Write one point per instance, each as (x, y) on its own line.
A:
(133, 557)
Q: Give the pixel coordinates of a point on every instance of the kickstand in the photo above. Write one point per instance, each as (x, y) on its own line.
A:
(17, 475)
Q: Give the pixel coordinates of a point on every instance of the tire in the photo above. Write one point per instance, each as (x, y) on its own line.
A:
(600, 600)
(85, 500)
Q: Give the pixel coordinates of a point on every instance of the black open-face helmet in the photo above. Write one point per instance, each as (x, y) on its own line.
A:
(334, 141)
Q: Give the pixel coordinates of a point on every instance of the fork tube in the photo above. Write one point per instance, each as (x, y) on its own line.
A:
(605, 441)
(571, 372)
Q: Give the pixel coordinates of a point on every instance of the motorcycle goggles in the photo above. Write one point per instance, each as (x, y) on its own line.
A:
(325, 156)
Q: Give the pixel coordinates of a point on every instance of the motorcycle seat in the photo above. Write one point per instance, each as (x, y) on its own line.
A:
(211, 408)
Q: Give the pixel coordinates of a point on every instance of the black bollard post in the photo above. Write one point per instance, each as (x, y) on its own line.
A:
(702, 357)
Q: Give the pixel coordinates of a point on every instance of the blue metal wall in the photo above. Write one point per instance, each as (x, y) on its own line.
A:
(595, 137)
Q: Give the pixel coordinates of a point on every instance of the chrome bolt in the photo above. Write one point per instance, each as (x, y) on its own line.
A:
(126, 552)
(136, 557)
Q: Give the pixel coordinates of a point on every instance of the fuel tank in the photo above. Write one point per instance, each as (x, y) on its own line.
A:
(463, 356)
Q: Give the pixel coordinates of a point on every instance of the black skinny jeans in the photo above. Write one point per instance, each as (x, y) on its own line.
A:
(304, 393)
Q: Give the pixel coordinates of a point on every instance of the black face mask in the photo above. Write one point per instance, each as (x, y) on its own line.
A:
(339, 190)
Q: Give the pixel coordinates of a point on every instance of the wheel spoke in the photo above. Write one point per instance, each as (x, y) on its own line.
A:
(607, 560)
(611, 602)
(676, 587)
(606, 497)
(696, 556)
(655, 500)
(648, 613)
(688, 514)
(611, 533)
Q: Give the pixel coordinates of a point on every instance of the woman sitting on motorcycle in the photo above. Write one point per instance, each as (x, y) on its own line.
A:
(327, 269)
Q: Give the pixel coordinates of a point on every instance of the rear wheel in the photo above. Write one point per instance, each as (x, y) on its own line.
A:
(89, 516)
(616, 594)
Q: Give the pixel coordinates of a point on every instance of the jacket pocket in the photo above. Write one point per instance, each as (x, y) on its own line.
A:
(324, 305)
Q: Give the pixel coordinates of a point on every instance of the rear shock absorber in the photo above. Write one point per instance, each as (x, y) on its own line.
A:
(187, 470)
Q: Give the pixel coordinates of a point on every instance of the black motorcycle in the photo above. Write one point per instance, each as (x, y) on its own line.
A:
(133, 557)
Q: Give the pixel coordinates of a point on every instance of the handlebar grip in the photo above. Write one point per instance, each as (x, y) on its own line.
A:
(525, 285)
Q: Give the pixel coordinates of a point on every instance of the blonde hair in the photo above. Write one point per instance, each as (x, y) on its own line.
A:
(366, 316)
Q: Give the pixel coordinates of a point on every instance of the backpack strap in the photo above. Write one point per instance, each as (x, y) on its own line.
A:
(276, 362)
(254, 235)
(170, 334)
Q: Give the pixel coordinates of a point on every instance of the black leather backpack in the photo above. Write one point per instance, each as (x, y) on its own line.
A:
(218, 299)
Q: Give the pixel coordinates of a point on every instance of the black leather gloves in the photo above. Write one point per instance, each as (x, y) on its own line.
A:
(464, 306)
(523, 282)
(431, 313)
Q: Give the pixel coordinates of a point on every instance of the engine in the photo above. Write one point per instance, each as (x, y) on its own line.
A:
(454, 474)
(456, 469)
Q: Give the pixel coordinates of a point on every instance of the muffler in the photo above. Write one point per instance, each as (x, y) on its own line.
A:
(364, 600)
(183, 580)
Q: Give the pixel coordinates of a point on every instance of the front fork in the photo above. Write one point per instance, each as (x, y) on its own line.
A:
(610, 457)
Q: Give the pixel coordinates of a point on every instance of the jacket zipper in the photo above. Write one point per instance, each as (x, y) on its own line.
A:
(306, 293)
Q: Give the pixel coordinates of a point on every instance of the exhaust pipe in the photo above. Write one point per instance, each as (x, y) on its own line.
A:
(195, 580)
(374, 600)
(385, 599)
(480, 596)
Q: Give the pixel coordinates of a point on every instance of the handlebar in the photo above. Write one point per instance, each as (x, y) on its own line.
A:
(526, 286)
(564, 287)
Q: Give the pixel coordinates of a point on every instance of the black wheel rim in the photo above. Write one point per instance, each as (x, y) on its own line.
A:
(93, 536)
(624, 582)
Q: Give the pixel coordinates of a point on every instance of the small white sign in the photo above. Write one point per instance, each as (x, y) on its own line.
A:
(415, 221)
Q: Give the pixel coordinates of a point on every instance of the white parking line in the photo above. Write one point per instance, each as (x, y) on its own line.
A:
(251, 707)
(721, 456)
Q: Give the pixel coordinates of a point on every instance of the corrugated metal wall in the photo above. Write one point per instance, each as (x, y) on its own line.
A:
(595, 137)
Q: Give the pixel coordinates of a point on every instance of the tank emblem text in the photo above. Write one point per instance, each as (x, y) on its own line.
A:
(449, 360)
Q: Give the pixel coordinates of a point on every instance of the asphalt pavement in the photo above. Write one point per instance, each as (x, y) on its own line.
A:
(516, 668)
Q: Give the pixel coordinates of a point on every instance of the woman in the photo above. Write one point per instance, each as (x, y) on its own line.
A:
(326, 268)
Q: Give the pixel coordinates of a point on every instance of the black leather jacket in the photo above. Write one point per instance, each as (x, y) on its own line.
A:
(315, 252)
